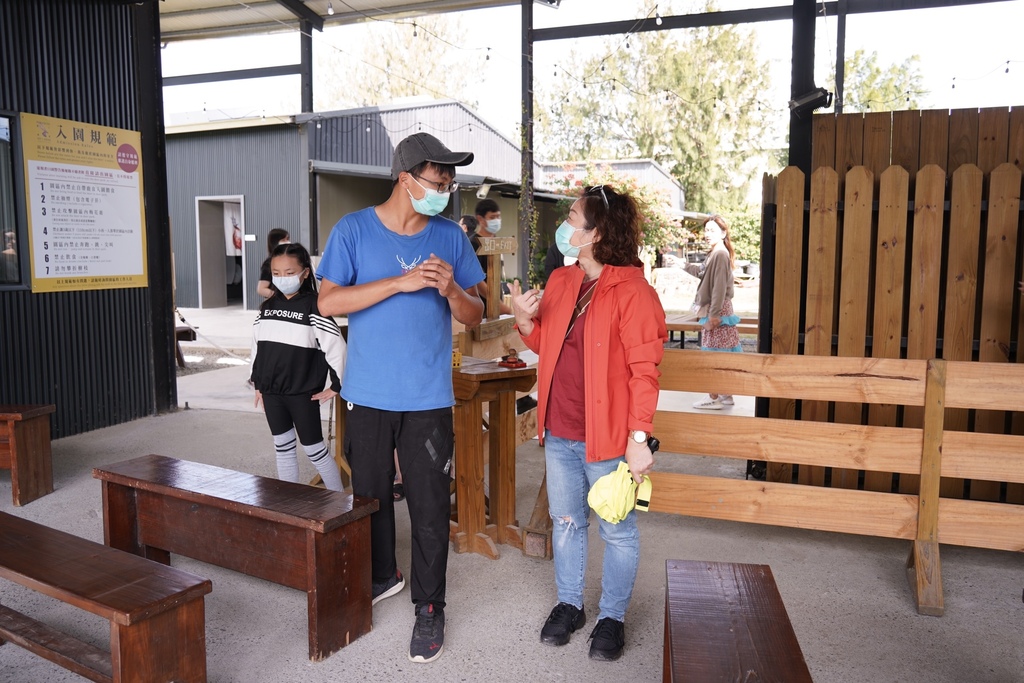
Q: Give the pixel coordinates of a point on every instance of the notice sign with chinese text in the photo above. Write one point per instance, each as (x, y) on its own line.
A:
(83, 187)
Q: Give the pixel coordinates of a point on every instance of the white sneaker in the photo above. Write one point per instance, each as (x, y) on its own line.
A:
(708, 403)
(726, 399)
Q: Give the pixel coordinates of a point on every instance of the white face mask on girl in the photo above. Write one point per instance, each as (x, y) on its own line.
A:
(287, 284)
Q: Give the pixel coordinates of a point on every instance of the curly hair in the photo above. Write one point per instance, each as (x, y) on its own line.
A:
(616, 217)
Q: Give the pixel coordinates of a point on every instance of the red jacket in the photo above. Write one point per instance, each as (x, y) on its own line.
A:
(624, 340)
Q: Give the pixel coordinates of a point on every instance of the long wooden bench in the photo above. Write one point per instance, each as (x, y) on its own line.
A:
(727, 622)
(156, 613)
(683, 323)
(303, 537)
(25, 450)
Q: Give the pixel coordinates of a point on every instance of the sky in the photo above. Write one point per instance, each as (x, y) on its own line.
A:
(976, 48)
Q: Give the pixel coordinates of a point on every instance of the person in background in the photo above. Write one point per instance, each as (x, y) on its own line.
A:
(401, 272)
(488, 219)
(599, 331)
(468, 224)
(295, 350)
(275, 237)
(714, 301)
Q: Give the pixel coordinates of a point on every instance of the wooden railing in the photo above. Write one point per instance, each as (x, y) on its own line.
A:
(928, 451)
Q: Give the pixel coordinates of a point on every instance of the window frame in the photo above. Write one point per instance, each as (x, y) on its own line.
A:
(20, 221)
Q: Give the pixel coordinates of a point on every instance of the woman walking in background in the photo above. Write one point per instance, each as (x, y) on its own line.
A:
(714, 300)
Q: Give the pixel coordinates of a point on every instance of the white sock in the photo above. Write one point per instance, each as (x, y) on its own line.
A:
(287, 466)
(320, 456)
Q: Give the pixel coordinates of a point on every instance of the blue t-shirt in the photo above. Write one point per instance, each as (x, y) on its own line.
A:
(400, 349)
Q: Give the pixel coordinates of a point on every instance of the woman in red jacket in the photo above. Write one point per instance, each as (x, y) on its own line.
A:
(600, 333)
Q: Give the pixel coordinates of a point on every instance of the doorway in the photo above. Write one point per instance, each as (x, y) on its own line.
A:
(220, 243)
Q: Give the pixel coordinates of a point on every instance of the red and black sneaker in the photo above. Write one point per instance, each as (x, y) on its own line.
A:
(428, 634)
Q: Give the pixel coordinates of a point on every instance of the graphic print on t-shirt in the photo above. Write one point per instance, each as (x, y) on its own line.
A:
(408, 266)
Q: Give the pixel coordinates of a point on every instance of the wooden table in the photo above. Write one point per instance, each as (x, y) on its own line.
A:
(475, 382)
(157, 629)
(25, 450)
(299, 536)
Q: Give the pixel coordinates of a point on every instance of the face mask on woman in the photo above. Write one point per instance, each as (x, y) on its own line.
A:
(493, 226)
(433, 202)
(562, 237)
(287, 284)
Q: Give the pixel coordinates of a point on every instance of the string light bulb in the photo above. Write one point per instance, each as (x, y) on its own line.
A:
(657, 16)
(414, 34)
(488, 57)
(330, 8)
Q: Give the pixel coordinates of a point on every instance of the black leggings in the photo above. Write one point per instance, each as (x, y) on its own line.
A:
(285, 410)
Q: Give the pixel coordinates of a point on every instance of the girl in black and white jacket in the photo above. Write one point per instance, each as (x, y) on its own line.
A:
(295, 351)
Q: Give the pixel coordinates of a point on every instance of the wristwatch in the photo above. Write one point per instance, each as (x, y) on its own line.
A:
(638, 436)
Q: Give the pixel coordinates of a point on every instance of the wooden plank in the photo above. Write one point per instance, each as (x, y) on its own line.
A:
(983, 385)
(887, 515)
(823, 141)
(963, 139)
(47, 642)
(887, 326)
(961, 288)
(906, 140)
(976, 455)
(993, 136)
(854, 292)
(927, 583)
(934, 138)
(849, 144)
(1015, 143)
(925, 272)
(819, 316)
(998, 293)
(785, 323)
(727, 622)
(863, 380)
(822, 444)
(877, 142)
(979, 524)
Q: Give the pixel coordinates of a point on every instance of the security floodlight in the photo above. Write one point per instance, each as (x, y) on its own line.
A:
(815, 99)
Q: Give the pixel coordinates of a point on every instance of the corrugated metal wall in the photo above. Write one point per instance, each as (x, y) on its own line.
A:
(89, 353)
(343, 137)
(261, 164)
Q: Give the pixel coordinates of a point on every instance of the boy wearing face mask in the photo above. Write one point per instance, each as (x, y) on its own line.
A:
(488, 218)
(295, 352)
(400, 272)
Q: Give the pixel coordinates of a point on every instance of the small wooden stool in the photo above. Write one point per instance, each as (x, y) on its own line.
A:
(25, 450)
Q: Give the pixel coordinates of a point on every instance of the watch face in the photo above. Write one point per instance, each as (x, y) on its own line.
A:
(639, 437)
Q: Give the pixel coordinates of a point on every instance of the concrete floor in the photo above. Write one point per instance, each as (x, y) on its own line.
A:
(847, 596)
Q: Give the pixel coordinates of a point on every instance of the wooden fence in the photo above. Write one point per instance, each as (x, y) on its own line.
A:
(866, 267)
(926, 451)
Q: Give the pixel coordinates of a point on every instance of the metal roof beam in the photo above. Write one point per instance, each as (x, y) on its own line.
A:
(240, 74)
(299, 9)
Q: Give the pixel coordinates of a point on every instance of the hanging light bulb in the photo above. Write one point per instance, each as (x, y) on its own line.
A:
(1007, 67)
(657, 16)
(318, 124)
(488, 57)
(330, 8)
(414, 34)
(367, 125)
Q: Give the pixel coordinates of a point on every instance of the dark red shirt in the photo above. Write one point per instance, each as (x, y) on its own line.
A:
(567, 412)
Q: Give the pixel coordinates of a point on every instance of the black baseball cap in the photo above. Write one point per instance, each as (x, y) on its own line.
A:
(420, 147)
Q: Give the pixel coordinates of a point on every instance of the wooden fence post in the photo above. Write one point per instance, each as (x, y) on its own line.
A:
(926, 581)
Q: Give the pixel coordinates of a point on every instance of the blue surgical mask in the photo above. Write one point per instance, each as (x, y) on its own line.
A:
(493, 226)
(562, 237)
(433, 202)
(287, 284)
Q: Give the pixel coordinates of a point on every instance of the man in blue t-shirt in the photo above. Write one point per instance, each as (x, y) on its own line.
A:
(400, 272)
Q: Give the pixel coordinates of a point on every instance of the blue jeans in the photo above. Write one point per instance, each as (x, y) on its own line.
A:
(569, 478)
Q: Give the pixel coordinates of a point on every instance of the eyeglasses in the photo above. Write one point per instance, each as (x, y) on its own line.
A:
(441, 187)
(597, 190)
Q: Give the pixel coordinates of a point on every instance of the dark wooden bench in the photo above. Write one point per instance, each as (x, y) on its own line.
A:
(156, 613)
(726, 622)
(299, 536)
(25, 450)
(182, 333)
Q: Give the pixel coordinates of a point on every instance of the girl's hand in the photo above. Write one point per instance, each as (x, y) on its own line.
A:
(324, 396)
(639, 459)
(712, 323)
(259, 399)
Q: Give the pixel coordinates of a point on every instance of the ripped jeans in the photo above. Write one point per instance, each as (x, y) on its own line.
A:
(569, 478)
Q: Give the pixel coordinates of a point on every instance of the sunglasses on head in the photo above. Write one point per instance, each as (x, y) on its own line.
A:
(597, 191)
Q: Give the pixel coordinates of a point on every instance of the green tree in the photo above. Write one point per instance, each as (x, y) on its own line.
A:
(868, 86)
(388, 60)
(690, 100)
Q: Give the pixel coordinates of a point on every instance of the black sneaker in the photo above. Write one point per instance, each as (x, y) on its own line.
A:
(385, 589)
(428, 634)
(563, 620)
(607, 640)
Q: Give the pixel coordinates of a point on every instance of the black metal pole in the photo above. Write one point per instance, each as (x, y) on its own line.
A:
(306, 63)
(800, 128)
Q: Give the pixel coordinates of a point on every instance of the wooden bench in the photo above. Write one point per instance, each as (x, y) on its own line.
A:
(303, 537)
(182, 333)
(726, 622)
(25, 450)
(156, 613)
(683, 323)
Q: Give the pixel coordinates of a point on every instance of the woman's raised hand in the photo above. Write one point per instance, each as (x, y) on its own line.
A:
(524, 306)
